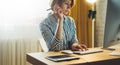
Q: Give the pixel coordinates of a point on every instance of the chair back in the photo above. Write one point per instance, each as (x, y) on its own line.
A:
(43, 45)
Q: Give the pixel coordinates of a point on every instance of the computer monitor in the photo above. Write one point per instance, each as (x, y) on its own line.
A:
(112, 24)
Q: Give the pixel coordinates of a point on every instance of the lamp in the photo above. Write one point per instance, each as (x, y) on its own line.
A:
(91, 1)
(92, 14)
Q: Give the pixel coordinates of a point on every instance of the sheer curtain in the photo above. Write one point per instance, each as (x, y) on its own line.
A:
(19, 29)
(101, 8)
(19, 18)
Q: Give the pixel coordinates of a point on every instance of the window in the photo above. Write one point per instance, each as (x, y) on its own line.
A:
(20, 18)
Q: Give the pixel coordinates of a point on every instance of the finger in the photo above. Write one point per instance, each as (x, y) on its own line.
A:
(75, 47)
(80, 48)
(59, 11)
(56, 8)
(84, 47)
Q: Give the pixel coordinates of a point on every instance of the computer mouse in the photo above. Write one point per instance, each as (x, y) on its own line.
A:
(67, 51)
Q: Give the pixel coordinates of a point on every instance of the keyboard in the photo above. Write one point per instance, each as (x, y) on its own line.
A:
(88, 51)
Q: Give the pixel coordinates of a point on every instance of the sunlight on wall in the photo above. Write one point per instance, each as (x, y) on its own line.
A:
(20, 18)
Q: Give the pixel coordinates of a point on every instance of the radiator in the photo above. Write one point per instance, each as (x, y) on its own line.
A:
(13, 52)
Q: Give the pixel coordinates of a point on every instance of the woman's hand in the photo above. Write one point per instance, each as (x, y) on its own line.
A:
(60, 17)
(58, 12)
(77, 47)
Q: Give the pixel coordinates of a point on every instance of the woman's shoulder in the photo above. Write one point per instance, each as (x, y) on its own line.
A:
(70, 19)
(46, 19)
(49, 20)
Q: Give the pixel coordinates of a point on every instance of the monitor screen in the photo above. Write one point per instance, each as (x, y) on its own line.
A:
(112, 24)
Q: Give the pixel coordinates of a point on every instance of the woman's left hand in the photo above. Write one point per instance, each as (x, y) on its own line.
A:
(80, 47)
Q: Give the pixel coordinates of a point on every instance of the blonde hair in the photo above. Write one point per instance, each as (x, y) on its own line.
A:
(59, 2)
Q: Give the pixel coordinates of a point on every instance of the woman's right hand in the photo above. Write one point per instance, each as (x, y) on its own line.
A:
(58, 12)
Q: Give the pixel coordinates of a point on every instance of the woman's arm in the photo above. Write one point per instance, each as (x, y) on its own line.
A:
(52, 42)
(74, 41)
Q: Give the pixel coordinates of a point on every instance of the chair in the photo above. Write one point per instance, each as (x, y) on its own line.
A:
(43, 45)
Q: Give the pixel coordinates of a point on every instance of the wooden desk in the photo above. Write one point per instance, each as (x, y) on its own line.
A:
(102, 58)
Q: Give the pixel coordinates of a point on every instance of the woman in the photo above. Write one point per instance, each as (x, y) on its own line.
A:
(58, 29)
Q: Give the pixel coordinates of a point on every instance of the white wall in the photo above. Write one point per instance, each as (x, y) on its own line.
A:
(20, 18)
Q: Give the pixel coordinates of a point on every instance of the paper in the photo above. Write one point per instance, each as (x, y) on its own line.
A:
(117, 53)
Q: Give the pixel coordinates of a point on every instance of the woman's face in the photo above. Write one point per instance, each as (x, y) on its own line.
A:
(66, 6)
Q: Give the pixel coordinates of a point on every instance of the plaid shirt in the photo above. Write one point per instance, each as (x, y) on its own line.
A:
(48, 28)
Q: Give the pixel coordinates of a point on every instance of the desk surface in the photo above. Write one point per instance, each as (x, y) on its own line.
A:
(88, 59)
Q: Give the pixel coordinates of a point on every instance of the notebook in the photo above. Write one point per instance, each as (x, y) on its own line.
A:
(61, 58)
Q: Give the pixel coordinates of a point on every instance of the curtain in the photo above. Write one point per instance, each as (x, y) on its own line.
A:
(13, 52)
(19, 29)
(84, 26)
(101, 8)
